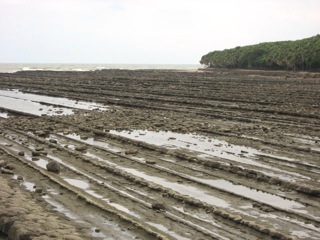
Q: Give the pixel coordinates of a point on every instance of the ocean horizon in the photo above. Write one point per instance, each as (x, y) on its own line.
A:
(15, 67)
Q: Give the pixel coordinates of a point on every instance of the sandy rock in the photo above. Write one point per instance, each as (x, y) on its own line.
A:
(53, 167)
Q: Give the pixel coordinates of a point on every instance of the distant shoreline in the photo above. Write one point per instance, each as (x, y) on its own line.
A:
(15, 67)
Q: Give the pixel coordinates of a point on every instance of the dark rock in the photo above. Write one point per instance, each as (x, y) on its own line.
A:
(21, 153)
(131, 151)
(150, 162)
(274, 180)
(158, 206)
(53, 167)
(35, 159)
(38, 190)
(213, 164)
(35, 154)
(42, 133)
(8, 166)
(20, 178)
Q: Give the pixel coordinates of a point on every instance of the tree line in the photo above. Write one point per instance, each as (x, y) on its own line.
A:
(296, 55)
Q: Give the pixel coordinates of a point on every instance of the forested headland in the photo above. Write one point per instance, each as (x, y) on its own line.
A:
(296, 55)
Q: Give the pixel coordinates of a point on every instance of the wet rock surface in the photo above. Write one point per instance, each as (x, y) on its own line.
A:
(22, 217)
(176, 155)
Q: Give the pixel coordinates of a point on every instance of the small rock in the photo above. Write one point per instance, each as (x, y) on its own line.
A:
(21, 153)
(53, 167)
(150, 162)
(35, 154)
(38, 190)
(42, 133)
(81, 148)
(20, 178)
(158, 206)
(131, 151)
(52, 140)
(35, 159)
(97, 230)
(213, 164)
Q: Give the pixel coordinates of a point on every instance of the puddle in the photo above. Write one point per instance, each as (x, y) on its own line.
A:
(123, 209)
(92, 141)
(180, 188)
(77, 183)
(4, 115)
(197, 215)
(206, 147)
(166, 230)
(211, 233)
(183, 189)
(85, 186)
(40, 104)
(254, 194)
(34, 108)
(60, 208)
(28, 185)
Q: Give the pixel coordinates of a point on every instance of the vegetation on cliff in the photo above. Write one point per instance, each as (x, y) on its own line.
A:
(287, 55)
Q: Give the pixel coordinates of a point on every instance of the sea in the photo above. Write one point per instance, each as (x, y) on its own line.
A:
(14, 67)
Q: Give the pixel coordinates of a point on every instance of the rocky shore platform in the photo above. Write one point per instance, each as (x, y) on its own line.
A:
(160, 154)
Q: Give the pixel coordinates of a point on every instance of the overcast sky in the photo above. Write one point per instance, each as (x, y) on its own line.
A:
(145, 31)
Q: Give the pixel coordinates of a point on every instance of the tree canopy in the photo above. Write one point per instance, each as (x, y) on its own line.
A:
(296, 55)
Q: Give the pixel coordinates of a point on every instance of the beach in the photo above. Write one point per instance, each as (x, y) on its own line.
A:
(161, 153)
